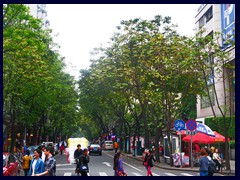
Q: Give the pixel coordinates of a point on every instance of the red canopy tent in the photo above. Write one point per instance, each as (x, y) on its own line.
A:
(218, 137)
(199, 138)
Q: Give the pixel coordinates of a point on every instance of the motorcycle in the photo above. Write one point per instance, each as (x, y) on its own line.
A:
(77, 170)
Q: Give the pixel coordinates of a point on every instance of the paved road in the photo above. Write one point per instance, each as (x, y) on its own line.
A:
(103, 166)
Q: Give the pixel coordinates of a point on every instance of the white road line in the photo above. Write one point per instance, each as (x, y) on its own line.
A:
(103, 174)
(186, 174)
(127, 164)
(136, 174)
(133, 167)
(67, 174)
(63, 165)
(170, 174)
(66, 169)
(154, 174)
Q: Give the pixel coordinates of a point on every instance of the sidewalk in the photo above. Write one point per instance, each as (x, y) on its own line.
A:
(164, 165)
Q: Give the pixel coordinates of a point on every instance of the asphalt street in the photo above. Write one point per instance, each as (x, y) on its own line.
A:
(103, 166)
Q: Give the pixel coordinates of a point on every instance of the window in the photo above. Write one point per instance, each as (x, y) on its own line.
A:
(209, 14)
(205, 103)
(206, 17)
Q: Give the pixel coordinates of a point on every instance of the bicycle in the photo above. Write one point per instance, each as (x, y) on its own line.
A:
(223, 167)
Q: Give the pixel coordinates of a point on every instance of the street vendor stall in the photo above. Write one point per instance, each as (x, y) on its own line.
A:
(202, 135)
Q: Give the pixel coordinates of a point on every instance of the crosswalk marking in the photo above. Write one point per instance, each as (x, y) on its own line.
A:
(66, 169)
(63, 165)
(186, 174)
(67, 174)
(154, 174)
(170, 174)
(103, 174)
(136, 174)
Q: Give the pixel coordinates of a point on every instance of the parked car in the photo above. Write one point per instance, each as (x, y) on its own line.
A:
(48, 144)
(95, 149)
(108, 145)
(11, 166)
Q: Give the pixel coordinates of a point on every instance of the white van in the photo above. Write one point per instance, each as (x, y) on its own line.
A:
(108, 145)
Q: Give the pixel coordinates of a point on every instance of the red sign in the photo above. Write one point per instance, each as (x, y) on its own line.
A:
(191, 125)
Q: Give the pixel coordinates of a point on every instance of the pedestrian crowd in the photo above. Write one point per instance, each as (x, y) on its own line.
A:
(209, 161)
(42, 163)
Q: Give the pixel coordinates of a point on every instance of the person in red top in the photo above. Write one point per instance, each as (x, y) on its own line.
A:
(197, 148)
(115, 146)
(62, 148)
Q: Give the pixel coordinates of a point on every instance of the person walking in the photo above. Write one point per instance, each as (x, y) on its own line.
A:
(62, 147)
(116, 146)
(26, 162)
(203, 163)
(212, 150)
(49, 164)
(118, 165)
(212, 164)
(37, 164)
(148, 162)
(84, 160)
(77, 153)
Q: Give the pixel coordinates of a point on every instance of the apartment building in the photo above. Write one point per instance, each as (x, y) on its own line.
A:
(39, 11)
(217, 18)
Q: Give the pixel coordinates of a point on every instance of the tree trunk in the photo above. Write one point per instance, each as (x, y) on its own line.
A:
(13, 131)
(157, 137)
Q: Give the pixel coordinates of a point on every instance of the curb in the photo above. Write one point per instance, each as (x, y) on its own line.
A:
(178, 169)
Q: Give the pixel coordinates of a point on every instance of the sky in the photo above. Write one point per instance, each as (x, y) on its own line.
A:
(82, 27)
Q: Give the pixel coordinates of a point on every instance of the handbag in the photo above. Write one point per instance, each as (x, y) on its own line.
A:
(120, 173)
(84, 168)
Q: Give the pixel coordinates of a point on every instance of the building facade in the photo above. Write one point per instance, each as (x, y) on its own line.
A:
(218, 18)
(39, 11)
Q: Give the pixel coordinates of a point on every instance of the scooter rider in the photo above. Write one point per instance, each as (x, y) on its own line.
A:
(77, 154)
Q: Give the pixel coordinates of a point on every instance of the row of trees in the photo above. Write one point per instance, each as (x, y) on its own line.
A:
(148, 76)
(38, 96)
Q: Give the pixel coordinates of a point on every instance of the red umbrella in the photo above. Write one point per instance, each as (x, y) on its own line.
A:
(219, 138)
(199, 138)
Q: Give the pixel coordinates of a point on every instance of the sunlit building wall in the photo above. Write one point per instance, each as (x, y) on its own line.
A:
(217, 18)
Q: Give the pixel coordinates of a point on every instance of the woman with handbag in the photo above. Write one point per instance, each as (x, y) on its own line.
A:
(148, 162)
(118, 165)
(83, 162)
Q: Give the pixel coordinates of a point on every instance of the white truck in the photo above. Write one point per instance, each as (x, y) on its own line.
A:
(72, 146)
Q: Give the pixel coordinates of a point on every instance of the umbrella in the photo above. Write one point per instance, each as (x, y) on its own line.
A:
(204, 129)
(199, 138)
(200, 128)
(218, 137)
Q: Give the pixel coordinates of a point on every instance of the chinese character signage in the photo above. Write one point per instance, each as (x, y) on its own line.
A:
(228, 23)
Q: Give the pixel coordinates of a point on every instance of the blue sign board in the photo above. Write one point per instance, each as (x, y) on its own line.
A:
(191, 125)
(228, 23)
(179, 125)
